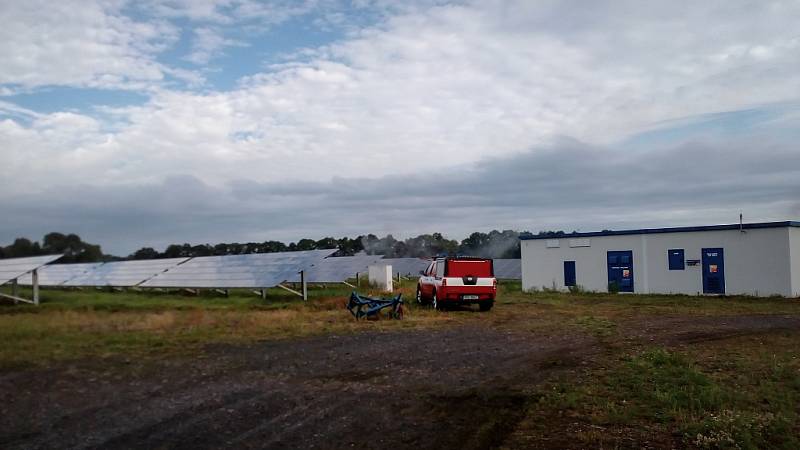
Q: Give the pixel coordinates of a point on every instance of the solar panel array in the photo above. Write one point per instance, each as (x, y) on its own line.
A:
(406, 266)
(508, 269)
(13, 268)
(124, 273)
(57, 274)
(258, 270)
(338, 269)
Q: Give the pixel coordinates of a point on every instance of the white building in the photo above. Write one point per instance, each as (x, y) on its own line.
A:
(754, 259)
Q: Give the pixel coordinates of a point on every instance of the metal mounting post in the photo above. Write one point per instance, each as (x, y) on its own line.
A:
(305, 285)
(35, 282)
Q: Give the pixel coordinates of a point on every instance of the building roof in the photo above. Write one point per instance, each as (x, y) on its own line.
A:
(746, 226)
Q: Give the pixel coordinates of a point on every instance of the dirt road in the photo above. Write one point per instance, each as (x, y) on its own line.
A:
(459, 387)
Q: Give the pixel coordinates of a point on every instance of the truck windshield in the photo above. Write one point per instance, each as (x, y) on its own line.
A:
(463, 268)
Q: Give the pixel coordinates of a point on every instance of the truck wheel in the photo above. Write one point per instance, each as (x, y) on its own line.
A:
(485, 306)
(435, 301)
(420, 300)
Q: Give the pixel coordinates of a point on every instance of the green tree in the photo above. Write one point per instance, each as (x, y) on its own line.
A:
(145, 253)
(274, 246)
(23, 247)
(327, 242)
(349, 247)
(178, 251)
(306, 244)
(72, 246)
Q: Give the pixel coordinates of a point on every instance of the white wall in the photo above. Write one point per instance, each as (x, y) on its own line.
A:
(544, 267)
(794, 242)
(757, 262)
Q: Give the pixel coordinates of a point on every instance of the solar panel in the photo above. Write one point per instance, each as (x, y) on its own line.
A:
(508, 269)
(258, 270)
(123, 273)
(338, 269)
(406, 266)
(56, 274)
(13, 268)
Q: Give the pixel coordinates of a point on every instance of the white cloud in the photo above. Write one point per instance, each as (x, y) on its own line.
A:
(80, 43)
(205, 10)
(208, 43)
(430, 88)
(266, 12)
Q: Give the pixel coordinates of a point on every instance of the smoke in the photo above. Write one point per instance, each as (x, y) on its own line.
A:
(501, 248)
(495, 244)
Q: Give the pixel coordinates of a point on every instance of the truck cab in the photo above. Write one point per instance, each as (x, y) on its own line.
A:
(458, 281)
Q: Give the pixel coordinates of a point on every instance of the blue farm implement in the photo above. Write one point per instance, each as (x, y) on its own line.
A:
(369, 307)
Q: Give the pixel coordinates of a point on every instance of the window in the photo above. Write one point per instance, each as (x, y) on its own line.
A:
(439, 269)
(569, 273)
(676, 260)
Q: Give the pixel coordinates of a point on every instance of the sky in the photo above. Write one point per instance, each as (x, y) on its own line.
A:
(147, 123)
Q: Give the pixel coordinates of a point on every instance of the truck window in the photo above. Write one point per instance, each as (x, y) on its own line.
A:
(475, 268)
(439, 271)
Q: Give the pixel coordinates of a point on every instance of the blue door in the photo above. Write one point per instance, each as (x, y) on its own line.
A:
(620, 270)
(713, 271)
(569, 273)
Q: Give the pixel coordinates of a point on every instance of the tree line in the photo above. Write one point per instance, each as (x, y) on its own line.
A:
(494, 244)
(71, 245)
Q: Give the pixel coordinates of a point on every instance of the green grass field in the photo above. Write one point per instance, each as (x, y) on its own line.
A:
(731, 390)
(90, 322)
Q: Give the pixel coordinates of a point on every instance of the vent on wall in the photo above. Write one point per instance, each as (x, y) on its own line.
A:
(579, 243)
(553, 243)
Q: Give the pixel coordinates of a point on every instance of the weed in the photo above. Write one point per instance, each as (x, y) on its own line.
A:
(598, 326)
(576, 289)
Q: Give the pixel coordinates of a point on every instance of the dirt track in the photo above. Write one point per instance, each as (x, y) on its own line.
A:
(459, 387)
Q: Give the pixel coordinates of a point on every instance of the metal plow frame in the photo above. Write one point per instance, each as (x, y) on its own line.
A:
(362, 306)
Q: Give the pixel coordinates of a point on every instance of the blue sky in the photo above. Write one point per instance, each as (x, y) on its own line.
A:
(154, 122)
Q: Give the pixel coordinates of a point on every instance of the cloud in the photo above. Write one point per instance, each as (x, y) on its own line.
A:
(81, 43)
(567, 185)
(453, 83)
(378, 120)
(208, 43)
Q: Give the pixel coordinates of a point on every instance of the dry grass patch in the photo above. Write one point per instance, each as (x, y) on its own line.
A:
(39, 338)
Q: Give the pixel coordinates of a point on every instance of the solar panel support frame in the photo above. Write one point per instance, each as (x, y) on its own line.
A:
(15, 290)
(303, 283)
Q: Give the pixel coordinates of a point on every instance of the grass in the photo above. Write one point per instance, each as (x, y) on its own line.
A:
(675, 395)
(737, 392)
(90, 323)
(85, 323)
(743, 392)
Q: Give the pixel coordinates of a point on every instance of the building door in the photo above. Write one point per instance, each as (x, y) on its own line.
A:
(713, 271)
(620, 271)
(569, 273)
